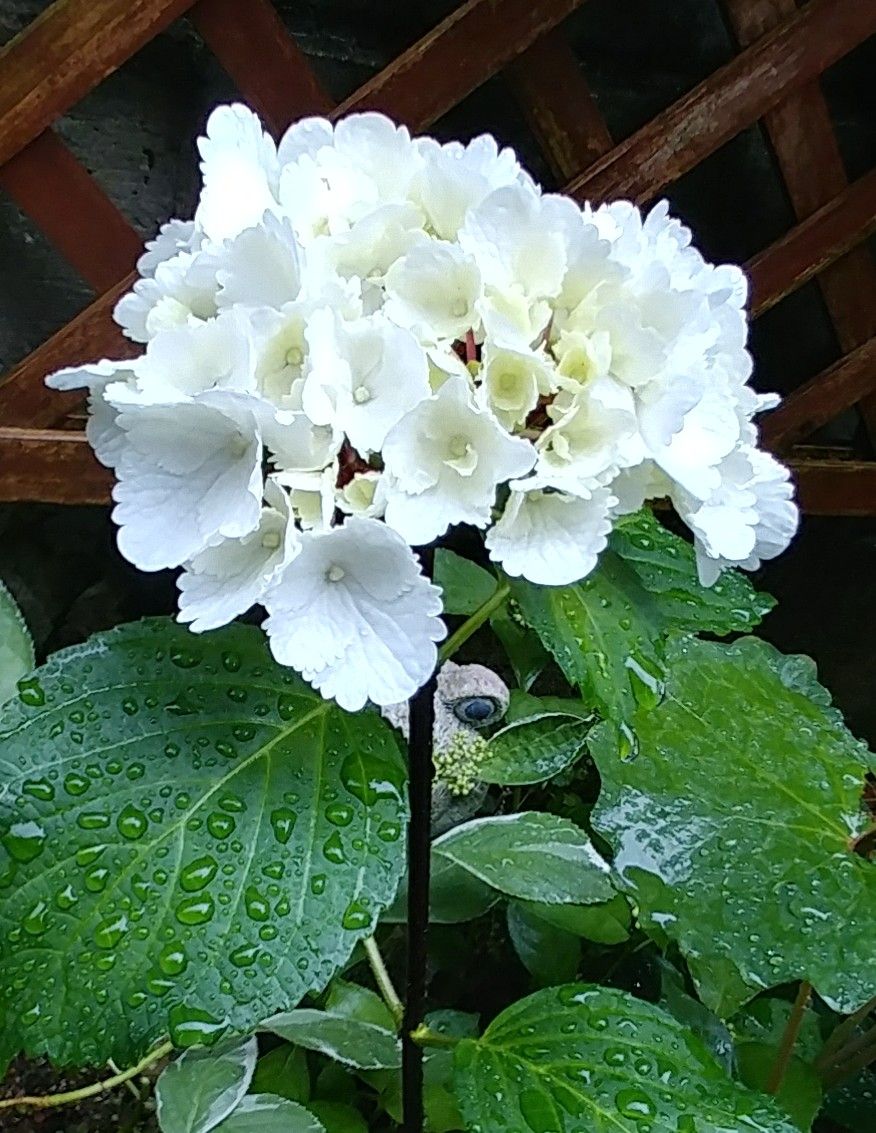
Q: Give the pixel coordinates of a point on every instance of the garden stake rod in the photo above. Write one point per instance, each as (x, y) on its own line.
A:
(422, 719)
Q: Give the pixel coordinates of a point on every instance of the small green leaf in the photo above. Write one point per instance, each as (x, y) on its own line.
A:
(524, 650)
(455, 896)
(548, 953)
(733, 828)
(359, 1003)
(533, 750)
(525, 706)
(265, 1113)
(191, 838)
(604, 923)
(337, 1117)
(363, 1046)
(283, 1072)
(666, 567)
(16, 646)
(530, 855)
(694, 1015)
(466, 586)
(585, 1059)
(800, 1092)
(194, 1093)
(605, 634)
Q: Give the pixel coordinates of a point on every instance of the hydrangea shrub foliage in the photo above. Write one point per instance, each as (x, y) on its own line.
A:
(651, 875)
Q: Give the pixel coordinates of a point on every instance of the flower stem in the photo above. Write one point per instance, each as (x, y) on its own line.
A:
(383, 980)
(836, 1044)
(47, 1101)
(424, 1036)
(472, 624)
(789, 1038)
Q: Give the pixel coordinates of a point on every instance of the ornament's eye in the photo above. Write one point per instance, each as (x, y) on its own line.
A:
(477, 710)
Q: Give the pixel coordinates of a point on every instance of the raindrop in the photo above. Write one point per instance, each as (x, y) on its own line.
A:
(369, 779)
(356, 916)
(24, 841)
(198, 874)
(220, 825)
(30, 692)
(109, 932)
(190, 1026)
(132, 823)
(257, 907)
(283, 823)
(40, 789)
(172, 959)
(195, 910)
(333, 849)
(339, 814)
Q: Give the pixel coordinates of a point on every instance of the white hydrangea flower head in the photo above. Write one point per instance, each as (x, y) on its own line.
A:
(363, 339)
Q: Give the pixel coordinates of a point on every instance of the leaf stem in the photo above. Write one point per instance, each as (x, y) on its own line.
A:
(835, 1046)
(47, 1101)
(789, 1038)
(383, 980)
(857, 1055)
(473, 623)
(424, 1036)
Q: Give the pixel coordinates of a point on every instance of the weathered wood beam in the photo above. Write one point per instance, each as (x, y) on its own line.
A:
(814, 244)
(462, 52)
(270, 70)
(64, 53)
(822, 398)
(736, 95)
(48, 183)
(50, 466)
(836, 487)
(559, 106)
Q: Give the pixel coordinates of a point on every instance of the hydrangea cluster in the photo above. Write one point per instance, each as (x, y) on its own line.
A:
(363, 339)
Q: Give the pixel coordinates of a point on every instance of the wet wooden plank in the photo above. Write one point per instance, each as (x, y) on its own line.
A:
(462, 52)
(269, 69)
(816, 401)
(806, 149)
(559, 106)
(814, 244)
(50, 466)
(24, 398)
(48, 183)
(736, 95)
(64, 53)
(836, 487)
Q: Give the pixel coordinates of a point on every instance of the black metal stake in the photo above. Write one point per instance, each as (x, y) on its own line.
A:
(422, 718)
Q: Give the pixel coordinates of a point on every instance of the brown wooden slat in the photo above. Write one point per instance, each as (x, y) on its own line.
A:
(812, 245)
(24, 398)
(817, 400)
(271, 72)
(50, 466)
(729, 100)
(59, 194)
(808, 155)
(462, 52)
(836, 487)
(64, 54)
(559, 106)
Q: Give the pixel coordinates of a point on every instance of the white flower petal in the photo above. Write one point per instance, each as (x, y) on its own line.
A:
(550, 538)
(434, 291)
(445, 460)
(355, 616)
(240, 169)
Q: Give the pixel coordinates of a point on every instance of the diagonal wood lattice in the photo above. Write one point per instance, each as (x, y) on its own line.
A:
(783, 49)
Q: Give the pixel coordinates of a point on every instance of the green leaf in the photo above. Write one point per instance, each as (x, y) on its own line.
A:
(604, 923)
(666, 567)
(694, 1015)
(336, 1117)
(732, 828)
(363, 1046)
(523, 648)
(765, 1020)
(16, 646)
(455, 896)
(800, 1092)
(360, 1003)
(548, 953)
(605, 634)
(194, 1093)
(283, 1072)
(192, 840)
(466, 586)
(533, 750)
(265, 1113)
(853, 1103)
(524, 706)
(535, 856)
(585, 1059)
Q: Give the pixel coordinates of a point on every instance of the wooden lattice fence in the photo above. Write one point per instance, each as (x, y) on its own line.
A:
(774, 78)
